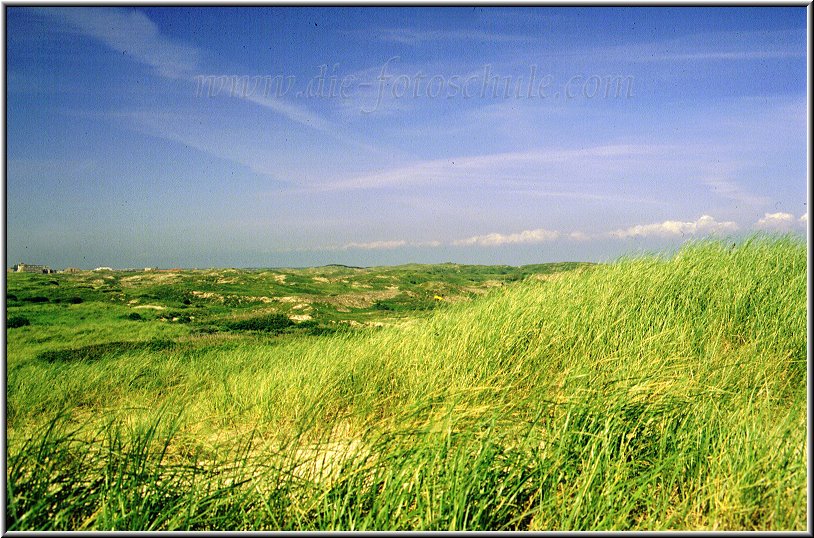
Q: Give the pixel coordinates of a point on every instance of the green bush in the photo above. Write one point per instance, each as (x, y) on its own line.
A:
(273, 323)
(381, 305)
(178, 317)
(206, 329)
(17, 321)
(97, 351)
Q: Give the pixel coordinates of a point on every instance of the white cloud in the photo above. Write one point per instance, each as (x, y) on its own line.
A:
(715, 46)
(523, 166)
(673, 228)
(804, 218)
(132, 33)
(291, 111)
(494, 239)
(410, 36)
(705, 225)
(375, 245)
(731, 190)
(386, 245)
(776, 221)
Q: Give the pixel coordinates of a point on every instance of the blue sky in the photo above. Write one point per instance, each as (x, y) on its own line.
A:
(246, 137)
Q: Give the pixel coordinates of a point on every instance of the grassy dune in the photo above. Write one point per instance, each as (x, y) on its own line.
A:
(652, 393)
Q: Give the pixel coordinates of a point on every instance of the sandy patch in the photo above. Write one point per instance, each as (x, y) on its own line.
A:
(151, 277)
(292, 299)
(360, 300)
(263, 299)
(150, 306)
(322, 461)
(208, 295)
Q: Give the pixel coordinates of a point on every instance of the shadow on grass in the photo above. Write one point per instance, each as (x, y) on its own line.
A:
(95, 352)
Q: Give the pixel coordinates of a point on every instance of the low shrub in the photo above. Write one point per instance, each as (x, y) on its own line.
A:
(381, 305)
(97, 351)
(178, 317)
(273, 323)
(17, 321)
(206, 329)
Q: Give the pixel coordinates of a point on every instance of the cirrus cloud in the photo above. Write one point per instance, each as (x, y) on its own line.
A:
(128, 31)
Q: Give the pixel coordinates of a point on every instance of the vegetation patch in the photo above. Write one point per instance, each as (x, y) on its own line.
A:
(654, 393)
(17, 321)
(272, 323)
(178, 317)
(96, 352)
(36, 299)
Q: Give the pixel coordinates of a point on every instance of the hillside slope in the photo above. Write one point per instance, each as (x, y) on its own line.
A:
(653, 393)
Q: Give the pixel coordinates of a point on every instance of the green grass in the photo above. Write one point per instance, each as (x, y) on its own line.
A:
(653, 393)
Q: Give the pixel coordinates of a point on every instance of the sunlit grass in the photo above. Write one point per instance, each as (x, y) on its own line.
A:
(653, 393)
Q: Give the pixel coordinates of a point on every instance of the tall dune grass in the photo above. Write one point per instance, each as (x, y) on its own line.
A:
(653, 393)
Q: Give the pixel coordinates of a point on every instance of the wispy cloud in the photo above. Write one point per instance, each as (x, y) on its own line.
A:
(740, 55)
(733, 191)
(410, 36)
(705, 225)
(292, 111)
(715, 46)
(484, 167)
(303, 116)
(539, 235)
(132, 33)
